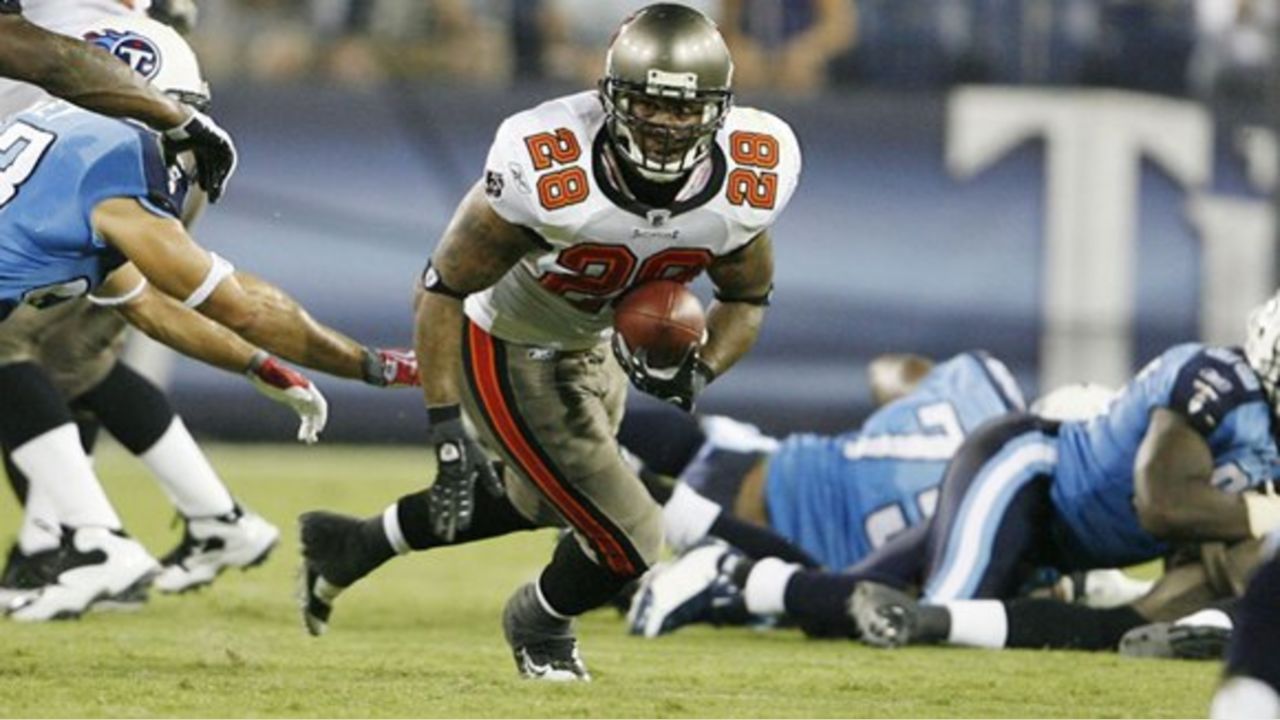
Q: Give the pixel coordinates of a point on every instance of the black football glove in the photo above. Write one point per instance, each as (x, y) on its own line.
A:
(459, 462)
(215, 152)
(679, 385)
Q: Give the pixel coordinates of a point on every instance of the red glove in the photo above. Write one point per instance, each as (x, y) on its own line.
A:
(391, 367)
(290, 387)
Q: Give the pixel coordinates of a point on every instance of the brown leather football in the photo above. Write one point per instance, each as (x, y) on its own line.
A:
(661, 316)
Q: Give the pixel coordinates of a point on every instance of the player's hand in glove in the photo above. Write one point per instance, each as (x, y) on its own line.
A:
(391, 367)
(460, 462)
(290, 387)
(215, 153)
(679, 385)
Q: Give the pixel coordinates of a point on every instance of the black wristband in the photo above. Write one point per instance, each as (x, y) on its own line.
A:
(433, 283)
(762, 300)
(705, 371)
(444, 413)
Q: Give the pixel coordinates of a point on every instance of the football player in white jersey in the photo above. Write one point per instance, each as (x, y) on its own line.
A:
(654, 175)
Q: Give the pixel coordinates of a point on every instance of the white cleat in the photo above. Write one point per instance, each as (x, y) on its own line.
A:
(97, 565)
(694, 588)
(210, 545)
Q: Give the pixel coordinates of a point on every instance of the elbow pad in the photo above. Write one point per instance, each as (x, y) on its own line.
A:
(218, 271)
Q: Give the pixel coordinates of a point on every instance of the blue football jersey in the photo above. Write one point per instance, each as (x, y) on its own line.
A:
(57, 163)
(841, 497)
(1220, 396)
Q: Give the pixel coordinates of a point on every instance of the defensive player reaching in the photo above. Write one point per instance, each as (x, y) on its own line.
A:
(654, 175)
(79, 350)
(71, 70)
(1180, 456)
(119, 240)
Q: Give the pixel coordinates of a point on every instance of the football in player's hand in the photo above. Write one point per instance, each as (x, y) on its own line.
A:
(661, 317)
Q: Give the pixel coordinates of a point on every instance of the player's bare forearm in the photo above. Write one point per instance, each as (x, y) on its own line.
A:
(743, 281)
(1172, 491)
(285, 328)
(77, 72)
(437, 339)
(732, 329)
(477, 249)
(167, 321)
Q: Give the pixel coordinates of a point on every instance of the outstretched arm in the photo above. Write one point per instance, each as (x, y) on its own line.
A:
(167, 321)
(252, 308)
(76, 72)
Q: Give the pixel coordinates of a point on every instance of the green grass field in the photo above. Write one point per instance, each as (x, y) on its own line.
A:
(421, 638)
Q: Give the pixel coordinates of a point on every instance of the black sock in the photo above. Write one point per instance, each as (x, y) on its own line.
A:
(1040, 623)
(758, 542)
(818, 602)
(131, 407)
(573, 584)
(491, 517)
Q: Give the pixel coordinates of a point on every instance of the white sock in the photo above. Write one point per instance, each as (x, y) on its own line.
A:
(186, 475)
(56, 464)
(391, 527)
(40, 530)
(977, 623)
(687, 517)
(1243, 697)
(766, 590)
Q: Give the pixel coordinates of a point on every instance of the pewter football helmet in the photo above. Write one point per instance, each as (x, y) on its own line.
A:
(1262, 345)
(667, 60)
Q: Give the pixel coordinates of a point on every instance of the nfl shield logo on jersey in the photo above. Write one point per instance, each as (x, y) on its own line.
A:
(136, 51)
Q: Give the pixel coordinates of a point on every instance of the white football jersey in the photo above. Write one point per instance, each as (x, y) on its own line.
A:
(546, 172)
(65, 17)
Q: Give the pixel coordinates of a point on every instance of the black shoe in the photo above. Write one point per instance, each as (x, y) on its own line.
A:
(543, 645)
(885, 617)
(1170, 640)
(336, 552)
(24, 574)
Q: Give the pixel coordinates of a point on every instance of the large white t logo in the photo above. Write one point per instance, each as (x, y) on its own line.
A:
(1095, 141)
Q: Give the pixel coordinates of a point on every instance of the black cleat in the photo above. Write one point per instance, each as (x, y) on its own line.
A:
(543, 645)
(1173, 640)
(24, 574)
(330, 564)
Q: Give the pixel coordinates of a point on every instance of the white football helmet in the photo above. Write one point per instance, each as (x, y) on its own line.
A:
(155, 51)
(1079, 401)
(1262, 336)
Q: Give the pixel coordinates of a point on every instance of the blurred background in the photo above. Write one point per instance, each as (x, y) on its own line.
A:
(1073, 185)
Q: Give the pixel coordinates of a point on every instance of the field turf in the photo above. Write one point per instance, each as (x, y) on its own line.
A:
(421, 637)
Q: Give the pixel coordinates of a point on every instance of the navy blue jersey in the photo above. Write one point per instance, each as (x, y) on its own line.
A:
(57, 163)
(9, 7)
(841, 497)
(1218, 394)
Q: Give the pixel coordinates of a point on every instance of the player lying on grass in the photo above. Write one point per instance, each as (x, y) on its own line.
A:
(1181, 456)
(818, 501)
(119, 241)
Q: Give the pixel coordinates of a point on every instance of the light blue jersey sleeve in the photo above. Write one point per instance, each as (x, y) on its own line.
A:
(61, 163)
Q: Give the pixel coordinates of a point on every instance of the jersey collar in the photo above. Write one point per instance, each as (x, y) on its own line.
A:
(606, 178)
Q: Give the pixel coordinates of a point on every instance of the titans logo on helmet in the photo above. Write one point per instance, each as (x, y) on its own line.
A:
(136, 51)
